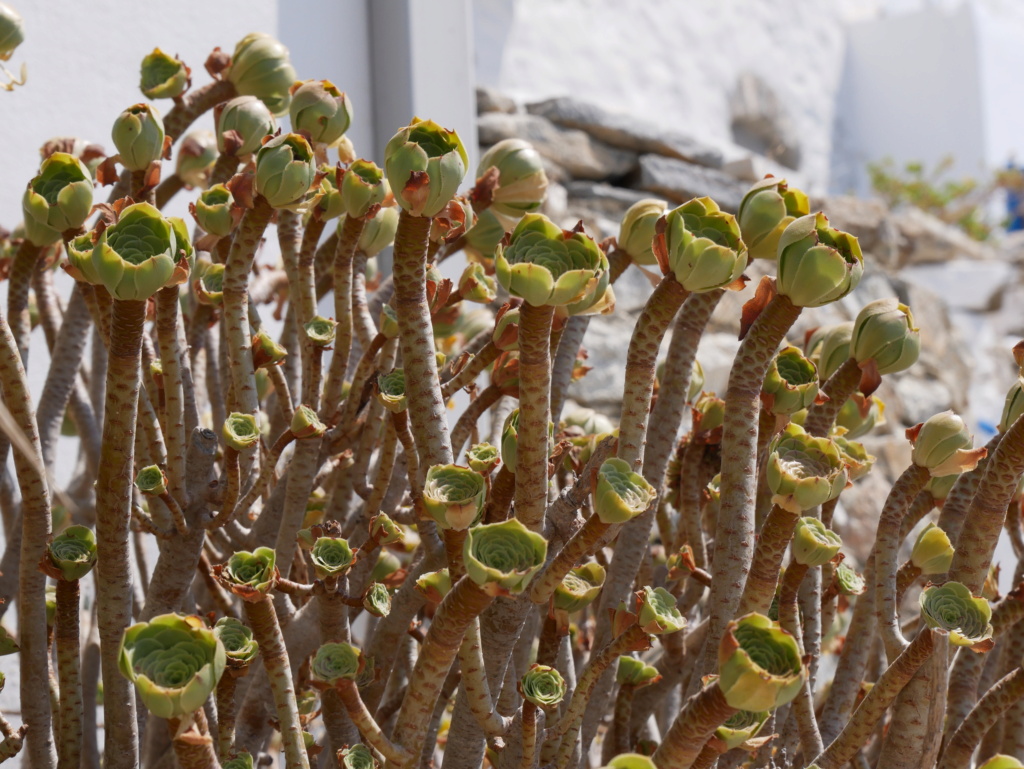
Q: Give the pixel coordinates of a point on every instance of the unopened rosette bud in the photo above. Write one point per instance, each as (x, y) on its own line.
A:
(636, 233)
(804, 471)
(502, 558)
(767, 209)
(362, 187)
(334, 662)
(326, 202)
(174, 662)
(506, 329)
(379, 231)
(579, 588)
(240, 431)
(249, 574)
(708, 414)
(321, 110)
(483, 458)
(285, 170)
(790, 384)
(425, 165)
(357, 756)
(384, 531)
(240, 647)
(856, 458)
(377, 600)
(848, 581)
(703, 246)
(860, 415)
(817, 263)
(454, 496)
(265, 351)
(589, 421)
(942, 444)
(621, 494)
(138, 134)
(331, 557)
(260, 67)
(522, 182)
(475, 285)
(884, 332)
(391, 390)
(388, 322)
(740, 728)
(306, 423)
(214, 211)
(321, 331)
(12, 31)
(542, 686)
(196, 158)
(57, 200)
(967, 618)
(829, 348)
(546, 265)
(814, 544)
(510, 440)
(71, 554)
(759, 664)
(1013, 407)
(242, 124)
(151, 481)
(163, 76)
(635, 673)
(933, 552)
(658, 613)
(482, 238)
(939, 488)
(434, 585)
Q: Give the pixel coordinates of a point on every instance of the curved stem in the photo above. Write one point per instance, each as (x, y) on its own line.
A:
(343, 289)
(839, 387)
(766, 564)
(997, 700)
(703, 713)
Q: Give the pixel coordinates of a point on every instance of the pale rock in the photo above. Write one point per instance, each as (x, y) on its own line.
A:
(964, 284)
(491, 100)
(679, 181)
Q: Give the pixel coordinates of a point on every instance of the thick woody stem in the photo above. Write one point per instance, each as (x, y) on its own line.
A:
(23, 265)
(193, 746)
(168, 187)
(69, 673)
(427, 411)
(997, 700)
(531, 499)
(474, 682)
(343, 292)
(174, 363)
(703, 713)
(226, 711)
(500, 498)
(789, 619)
(623, 714)
(301, 474)
(958, 502)
(839, 387)
(194, 104)
(529, 738)
(364, 325)
(766, 565)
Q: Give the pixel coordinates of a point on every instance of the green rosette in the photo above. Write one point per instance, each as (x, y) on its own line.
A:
(814, 544)
(260, 67)
(630, 761)
(214, 212)
(265, 351)
(741, 727)
(138, 134)
(321, 331)
(331, 557)
(454, 496)
(503, 557)
(589, 421)
(242, 124)
(1013, 406)
(384, 531)
(658, 614)
(377, 600)
(759, 664)
(884, 332)
(804, 471)
(790, 384)
(703, 246)
(379, 231)
(637, 230)
(635, 673)
(250, 575)
(71, 554)
(967, 618)
(241, 760)
(506, 329)
(856, 458)
(197, 156)
(475, 285)
(58, 199)
(579, 587)
(933, 552)
(510, 440)
(285, 170)
(357, 756)
(386, 565)
(860, 415)
(7, 643)
(522, 182)
(336, 662)
(1001, 761)
(828, 347)
(209, 283)
(817, 264)
(434, 585)
(848, 580)
(174, 662)
(151, 481)
(240, 648)
(163, 76)
(942, 444)
(766, 210)
(306, 424)
(363, 186)
(542, 686)
(391, 391)
(425, 165)
(240, 431)
(483, 458)
(319, 109)
(621, 494)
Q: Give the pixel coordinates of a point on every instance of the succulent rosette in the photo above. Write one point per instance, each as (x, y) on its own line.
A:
(933, 552)
(483, 458)
(387, 564)
(475, 285)
(790, 384)
(884, 332)
(321, 110)
(503, 557)
(589, 421)
(57, 200)
(163, 76)
(214, 211)
(285, 170)
(377, 600)
(759, 664)
(1013, 406)
(250, 575)
(621, 494)
(967, 618)
(542, 686)
(209, 283)
(12, 31)
(804, 471)
(379, 231)
(1001, 761)
(814, 544)
(240, 648)
(703, 246)
(336, 662)
(362, 187)
(630, 761)
(817, 263)
(384, 531)
(306, 424)
(454, 496)
(434, 585)
(321, 331)
(506, 329)
(138, 134)
(522, 182)
(546, 265)
(828, 347)
(848, 580)
(151, 481)
(635, 673)
(260, 67)
(767, 209)
(265, 351)
(241, 760)
(240, 431)
(175, 663)
(856, 458)
(71, 554)
(860, 415)
(331, 556)
(391, 391)
(357, 756)
(637, 230)
(579, 587)
(196, 157)
(942, 444)
(425, 165)
(242, 124)
(740, 727)
(658, 613)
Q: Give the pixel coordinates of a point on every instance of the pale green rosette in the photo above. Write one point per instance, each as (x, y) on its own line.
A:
(817, 264)
(1013, 406)
(503, 557)
(766, 210)
(260, 67)
(197, 156)
(1002, 761)
(362, 187)
(579, 588)
(658, 613)
(240, 647)
(542, 686)
(630, 761)
(72, 553)
(636, 232)
(454, 496)
(741, 727)
(475, 285)
(589, 421)
(285, 170)
(138, 134)
(884, 332)
(829, 348)
(57, 200)
(306, 423)
(319, 109)
(242, 124)
(240, 431)
(377, 600)
(214, 211)
(174, 662)
(546, 265)
(209, 283)
(790, 384)
(482, 238)
(804, 471)
(704, 248)
(621, 494)
(391, 391)
(336, 662)
(510, 440)
(265, 351)
(357, 756)
(759, 664)
(856, 458)
(814, 544)
(242, 760)
(151, 481)
(163, 76)
(425, 165)
(483, 458)
(384, 531)
(860, 415)
(848, 581)
(942, 444)
(321, 331)
(635, 673)
(249, 574)
(522, 182)
(933, 552)
(379, 230)
(434, 585)
(967, 618)
(331, 557)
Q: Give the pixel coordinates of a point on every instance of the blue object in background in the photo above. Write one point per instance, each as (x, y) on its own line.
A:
(1014, 204)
